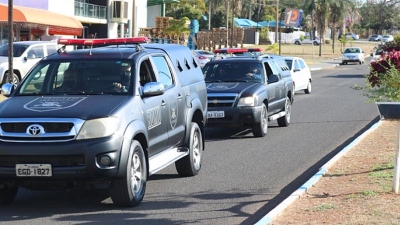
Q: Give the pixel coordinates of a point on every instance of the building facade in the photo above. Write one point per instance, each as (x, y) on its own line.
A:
(99, 18)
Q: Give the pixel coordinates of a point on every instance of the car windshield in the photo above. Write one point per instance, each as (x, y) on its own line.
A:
(352, 50)
(77, 77)
(18, 49)
(233, 71)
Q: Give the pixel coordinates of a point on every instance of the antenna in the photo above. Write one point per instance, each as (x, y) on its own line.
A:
(94, 37)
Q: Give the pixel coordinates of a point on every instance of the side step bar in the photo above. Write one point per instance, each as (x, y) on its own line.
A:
(276, 116)
(166, 158)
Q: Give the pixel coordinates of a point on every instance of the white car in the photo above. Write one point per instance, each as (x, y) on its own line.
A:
(387, 38)
(203, 56)
(301, 74)
(376, 55)
(352, 36)
(353, 54)
(26, 55)
(307, 40)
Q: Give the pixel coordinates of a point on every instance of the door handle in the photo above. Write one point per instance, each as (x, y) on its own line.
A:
(179, 96)
(163, 103)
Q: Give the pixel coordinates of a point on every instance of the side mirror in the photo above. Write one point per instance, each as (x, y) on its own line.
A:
(371, 54)
(273, 78)
(7, 89)
(153, 89)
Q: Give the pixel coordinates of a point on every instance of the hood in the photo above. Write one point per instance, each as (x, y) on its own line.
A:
(232, 87)
(74, 106)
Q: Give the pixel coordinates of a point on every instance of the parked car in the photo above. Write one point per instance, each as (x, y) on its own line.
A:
(387, 38)
(26, 55)
(301, 74)
(307, 40)
(375, 37)
(353, 54)
(350, 36)
(203, 56)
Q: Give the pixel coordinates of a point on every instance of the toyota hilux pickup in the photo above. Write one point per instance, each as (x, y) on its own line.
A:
(124, 110)
(248, 91)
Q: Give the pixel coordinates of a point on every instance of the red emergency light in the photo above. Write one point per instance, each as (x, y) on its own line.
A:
(237, 50)
(103, 41)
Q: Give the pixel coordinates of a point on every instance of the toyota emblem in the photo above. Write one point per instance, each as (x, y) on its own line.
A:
(35, 129)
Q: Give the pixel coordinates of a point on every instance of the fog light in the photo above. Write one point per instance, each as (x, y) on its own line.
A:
(105, 160)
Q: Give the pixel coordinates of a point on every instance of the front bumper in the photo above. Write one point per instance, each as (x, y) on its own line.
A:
(236, 116)
(70, 161)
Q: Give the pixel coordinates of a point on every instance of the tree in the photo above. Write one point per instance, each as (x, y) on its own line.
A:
(176, 28)
(337, 15)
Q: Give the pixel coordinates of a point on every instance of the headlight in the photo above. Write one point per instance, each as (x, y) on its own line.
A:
(98, 128)
(248, 101)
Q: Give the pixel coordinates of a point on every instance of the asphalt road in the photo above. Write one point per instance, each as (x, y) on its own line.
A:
(242, 178)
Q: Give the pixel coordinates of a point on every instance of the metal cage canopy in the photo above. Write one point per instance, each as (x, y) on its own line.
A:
(41, 19)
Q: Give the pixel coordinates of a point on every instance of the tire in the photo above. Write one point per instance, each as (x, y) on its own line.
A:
(315, 43)
(284, 121)
(297, 42)
(308, 89)
(260, 129)
(360, 62)
(129, 191)
(190, 165)
(7, 195)
(15, 79)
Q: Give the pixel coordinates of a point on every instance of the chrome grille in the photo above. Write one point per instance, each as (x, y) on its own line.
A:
(48, 127)
(221, 100)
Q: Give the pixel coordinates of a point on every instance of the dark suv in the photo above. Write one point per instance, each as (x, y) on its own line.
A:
(120, 114)
(248, 91)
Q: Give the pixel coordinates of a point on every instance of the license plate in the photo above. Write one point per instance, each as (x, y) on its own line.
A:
(33, 170)
(215, 114)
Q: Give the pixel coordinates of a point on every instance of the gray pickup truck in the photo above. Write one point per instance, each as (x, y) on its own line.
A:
(248, 91)
(121, 113)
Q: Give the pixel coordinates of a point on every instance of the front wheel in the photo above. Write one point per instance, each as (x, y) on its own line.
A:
(297, 42)
(7, 194)
(260, 129)
(308, 89)
(284, 121)
(190, 165)
(129, 191)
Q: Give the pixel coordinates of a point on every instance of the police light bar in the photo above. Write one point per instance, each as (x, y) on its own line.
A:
(237, 50)
(103, 41)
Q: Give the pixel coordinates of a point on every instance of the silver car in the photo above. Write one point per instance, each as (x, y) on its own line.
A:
(353, 54)
(26, 55)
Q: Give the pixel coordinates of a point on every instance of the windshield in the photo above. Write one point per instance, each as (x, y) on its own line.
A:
(78, 77)
(234, 71)
(18, 50)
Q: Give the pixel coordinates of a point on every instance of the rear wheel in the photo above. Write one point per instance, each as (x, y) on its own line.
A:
(297, 42)
(190, 165)
(260, 129)
(7, 194)
(129, 191)
(14, 80)
(308, 89)
(284, 121)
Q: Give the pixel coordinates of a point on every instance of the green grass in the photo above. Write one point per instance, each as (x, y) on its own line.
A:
(324, 207)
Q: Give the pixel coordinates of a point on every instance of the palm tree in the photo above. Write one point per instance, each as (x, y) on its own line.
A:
(176, 28)
(337, 15)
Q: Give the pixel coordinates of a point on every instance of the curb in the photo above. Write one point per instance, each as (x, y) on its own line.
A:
(267, 219)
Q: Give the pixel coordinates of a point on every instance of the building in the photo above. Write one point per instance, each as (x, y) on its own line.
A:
(98, 18)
